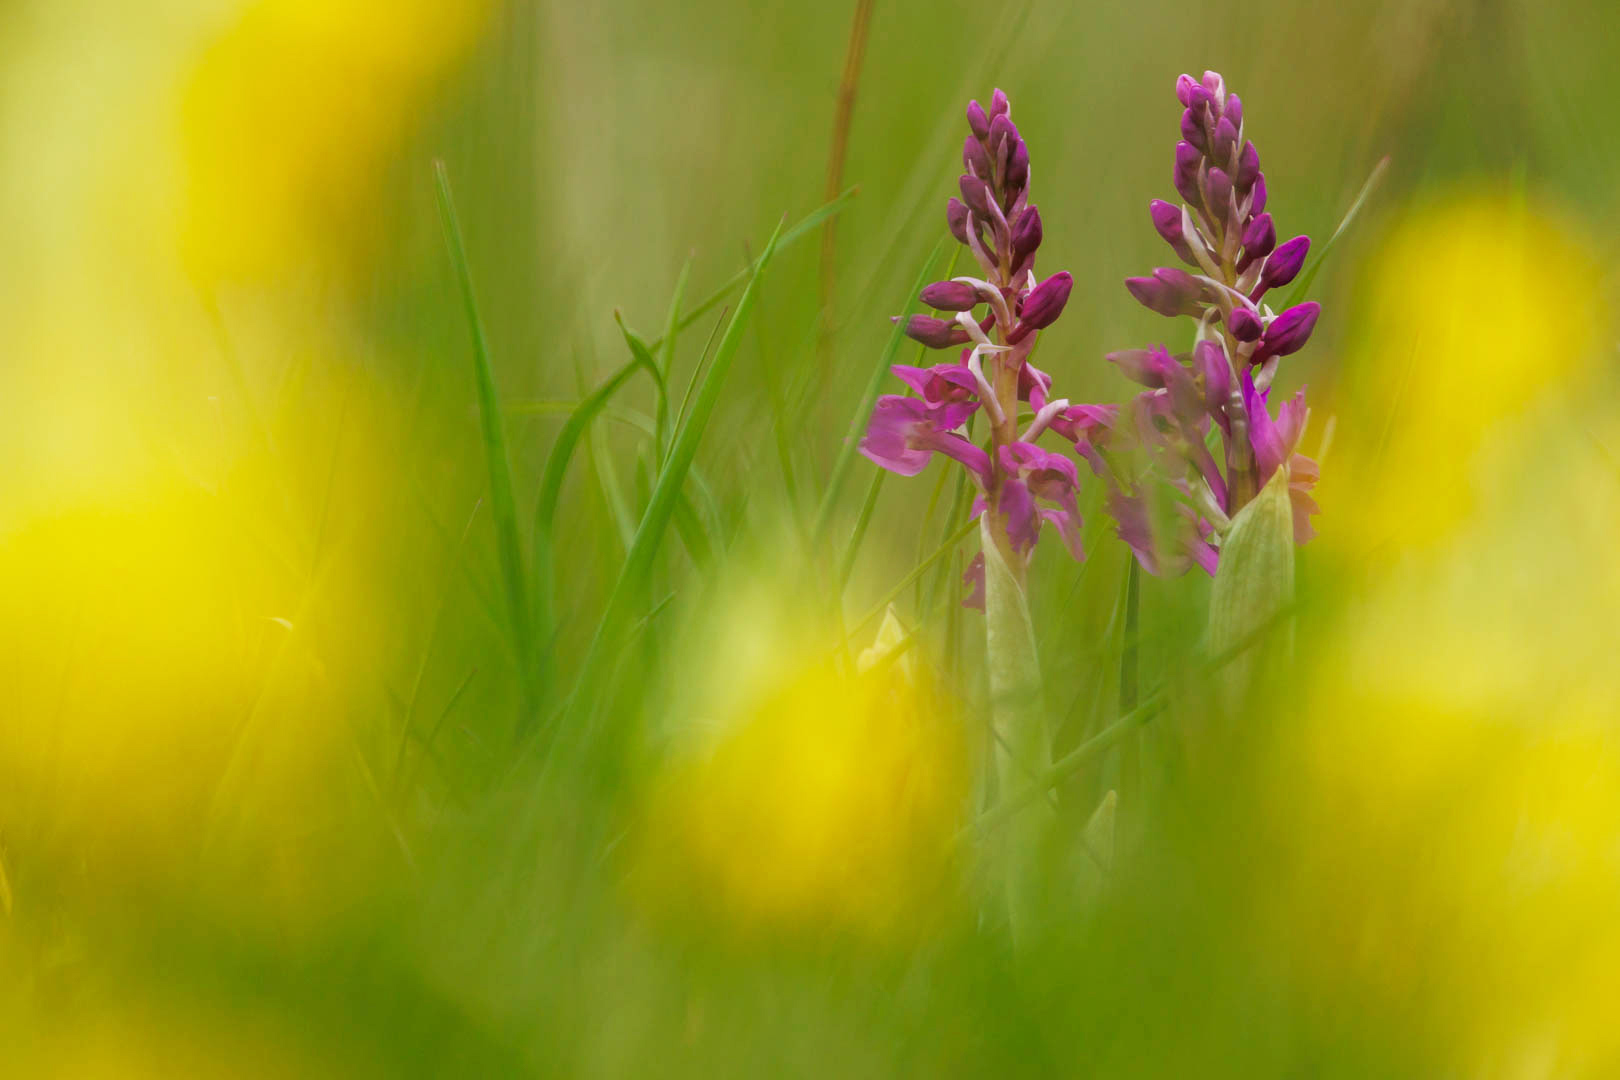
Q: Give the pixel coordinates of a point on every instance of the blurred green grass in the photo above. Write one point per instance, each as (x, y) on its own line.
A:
(316, 851)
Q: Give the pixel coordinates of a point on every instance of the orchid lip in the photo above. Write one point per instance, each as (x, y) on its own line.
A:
(971, 325)
(977, 368)
(992, 295)
(1043, 419)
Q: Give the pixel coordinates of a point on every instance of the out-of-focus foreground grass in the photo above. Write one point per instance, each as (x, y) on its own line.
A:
(281, 793)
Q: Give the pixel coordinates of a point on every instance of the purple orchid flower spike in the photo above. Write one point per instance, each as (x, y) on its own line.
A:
(995, 317)
(1228, 241)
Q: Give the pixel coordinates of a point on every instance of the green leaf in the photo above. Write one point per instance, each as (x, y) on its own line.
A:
(1018, 721)
(1253, 586)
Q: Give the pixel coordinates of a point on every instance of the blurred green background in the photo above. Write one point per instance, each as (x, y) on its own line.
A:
(262, 811)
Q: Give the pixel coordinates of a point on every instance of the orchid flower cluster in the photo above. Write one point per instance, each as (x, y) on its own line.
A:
(1020, 484)
(1222, 231)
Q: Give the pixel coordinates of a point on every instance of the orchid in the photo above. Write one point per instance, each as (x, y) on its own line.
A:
(994, 321)
(1219, 392)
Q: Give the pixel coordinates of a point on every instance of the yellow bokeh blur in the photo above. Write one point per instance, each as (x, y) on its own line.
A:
(819, 798)
(1450, 776)
(188, 532)
(1478, 307)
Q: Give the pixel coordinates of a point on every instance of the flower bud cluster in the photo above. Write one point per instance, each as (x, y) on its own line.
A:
(1224, 233)
(994, 321)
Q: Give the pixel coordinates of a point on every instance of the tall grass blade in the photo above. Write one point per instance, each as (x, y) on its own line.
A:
(749, 272)
(643, 355)
(502, 502)
(1302, 289)
(661, 507)
(846, 451)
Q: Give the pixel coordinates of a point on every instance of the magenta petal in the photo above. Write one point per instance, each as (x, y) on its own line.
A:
(968, 453)
(1204, 554)
(973, 580)
(1291, 419)
(888, 435)
(1068, 527)
(1269, 449)
(1023, 524)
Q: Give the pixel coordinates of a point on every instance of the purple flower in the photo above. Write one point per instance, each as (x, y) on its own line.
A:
(942, 384)
(1026, 485)
(1223, 230)
(1050, 477)
(905, 433)
(1274, 442)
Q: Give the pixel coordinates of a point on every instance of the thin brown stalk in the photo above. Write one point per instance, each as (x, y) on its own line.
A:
(836, 153)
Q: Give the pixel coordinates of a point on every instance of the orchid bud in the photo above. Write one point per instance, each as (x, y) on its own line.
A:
(1225, 141)
(1234, 110)
(1026, 233)
(999, 105)
(1152, 368)
(1284, 264)
(1017, 170)
(1167, 220)
(1044, 304)
(1244, 324)
(956, 219)
(1169, 291)
(978, 122)
(1003, 136)
(975, 158)
(1185, 176)
(1248, 168)
(1259, 238)
(1192, 128)
(1258, 203)
(950, 296)
(1215, 85)
(1219, 186)
(1184, 89)
(1289, 331)
(976, 193)
(934, 333)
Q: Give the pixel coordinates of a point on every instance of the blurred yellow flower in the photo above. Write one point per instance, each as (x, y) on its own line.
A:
(827, 799)
(1450, 783)
(1480, 306)
(290, 115)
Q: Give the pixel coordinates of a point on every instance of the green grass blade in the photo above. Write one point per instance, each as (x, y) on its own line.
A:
(502, 501)
(809, 224)
(672, 328)
(1304, 286)
(863, 410)
(643, 355)
(661, 507)
(847, 565)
